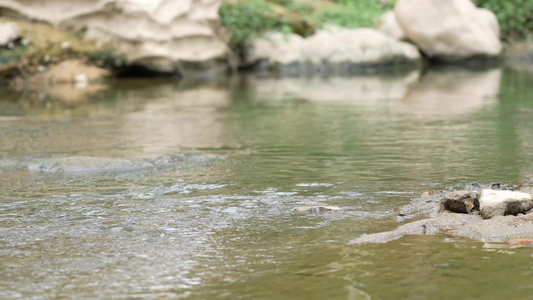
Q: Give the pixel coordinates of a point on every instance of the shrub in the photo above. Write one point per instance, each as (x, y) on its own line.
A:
(246, 19)
(354, 13)
(515, 17)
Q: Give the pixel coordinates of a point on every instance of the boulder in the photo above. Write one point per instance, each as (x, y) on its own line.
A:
(8, 33)
(389, 26)
(263, 47)
(502, 202)
(462, 202)
(159, 35)
(333, 50)
(449, 31)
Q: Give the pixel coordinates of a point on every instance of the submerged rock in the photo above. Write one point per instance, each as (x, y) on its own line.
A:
(498, 229)
(452, 30)
(333, 51)
(89, 164)
(84, 164)
(499, 203)
(318, 208)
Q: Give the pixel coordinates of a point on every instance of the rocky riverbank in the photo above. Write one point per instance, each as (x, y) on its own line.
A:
(186, 39)
(491, 213)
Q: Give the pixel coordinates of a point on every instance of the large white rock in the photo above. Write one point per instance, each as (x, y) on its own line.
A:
(449, 30)
(284, 46)
(332, 50)
(499, 203)
(159, 34)
(389, 26)
(8, 33)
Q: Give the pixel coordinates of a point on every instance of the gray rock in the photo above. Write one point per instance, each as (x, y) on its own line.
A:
(417, 227)
(333, 51)
(463, 202)
(495, 203)
(8, 33)
(498, 229)
(501, 202)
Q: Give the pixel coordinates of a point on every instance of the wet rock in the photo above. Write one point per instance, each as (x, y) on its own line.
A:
(429, 204)
(333, 50)
(462, 202)
(315, 209)
(84, 164)
(499, 186)
(501, 227)
(501, 202)
(417, 227)
(89, 164)
(8, 33)
(498, 229)
(450, 31)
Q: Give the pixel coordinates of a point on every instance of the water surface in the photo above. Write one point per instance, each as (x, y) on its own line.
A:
(161, 189)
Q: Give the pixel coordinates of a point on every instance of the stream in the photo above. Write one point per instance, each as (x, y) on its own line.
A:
(159, 189)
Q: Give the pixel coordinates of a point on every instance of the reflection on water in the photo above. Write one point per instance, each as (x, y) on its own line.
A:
(227, 230)
(145, 121)
(451, 93)
(189, 118)
(361, 89)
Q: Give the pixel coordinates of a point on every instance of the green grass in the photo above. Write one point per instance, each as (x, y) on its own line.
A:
(353, 13)
(247, 19)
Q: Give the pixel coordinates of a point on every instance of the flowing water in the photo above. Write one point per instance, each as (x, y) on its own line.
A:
(169, 190)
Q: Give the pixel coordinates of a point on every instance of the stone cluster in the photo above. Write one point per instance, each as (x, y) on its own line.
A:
(185, 37)
(489, 203)
(445, 31)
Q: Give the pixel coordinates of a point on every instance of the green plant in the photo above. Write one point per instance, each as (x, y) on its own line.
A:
(363, 13)
(515, 17)
(246, 19)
